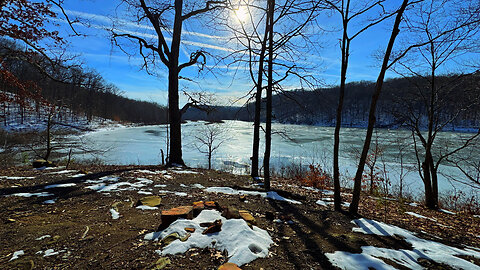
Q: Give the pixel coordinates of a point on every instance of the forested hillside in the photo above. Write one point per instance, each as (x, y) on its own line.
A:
(72, 92)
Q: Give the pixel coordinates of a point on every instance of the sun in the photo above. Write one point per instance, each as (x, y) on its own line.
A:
(241, 14)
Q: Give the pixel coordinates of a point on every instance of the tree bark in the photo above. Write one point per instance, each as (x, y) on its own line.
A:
(258, 107)
(268, 124)
(353, 209)
(336, 141)
(173, 97)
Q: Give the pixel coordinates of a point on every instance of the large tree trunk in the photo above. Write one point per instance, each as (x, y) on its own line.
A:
(258, 107)
(373, 105)
(173, 98)
(268, 124)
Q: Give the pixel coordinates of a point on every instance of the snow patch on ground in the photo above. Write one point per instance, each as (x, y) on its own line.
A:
(420, 216)
(60, 185)
(161, 185)
(447, 212)
(77, 175)
(27, 195)
(180, 171)
(146, 207)
(50, 201)
(103, 186)
(16, 177)
(200, 186)
(371, 256)
(115, 214)
(43, 237)
(181, 194)
(50, 252)
(242, 243)
(323, 191)
(151, 172)
(144, 192)
(62, 172)
(413, 204)
(270, 195)
(17, 254)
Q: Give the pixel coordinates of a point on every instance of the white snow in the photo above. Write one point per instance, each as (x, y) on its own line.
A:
(477, 216)
(60, 185)
(242, 243)
(50, 252)
(17, 254)
(420, 216)
(43, 237)
(323, 191)
(371, 256)
(146, 207)
(114, 187)
(270, 195)
(447, 212)
(77, 175)
(16, 177)
(50, 201)
(151, 172)
(323, 203)
(183, 185)
(144, 192)
(200, 186)
(179, 171)
(161, 185)
(38, 194)
(413, 204)
(115, 214)
(182, 194)
(62, 172)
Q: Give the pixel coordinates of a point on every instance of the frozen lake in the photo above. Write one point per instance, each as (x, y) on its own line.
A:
(299, 144)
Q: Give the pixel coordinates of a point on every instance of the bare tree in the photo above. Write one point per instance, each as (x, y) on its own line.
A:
(209, 138)
(371, 116)
(292, 18)
(445, 32)
(348, 14)
(168, 17)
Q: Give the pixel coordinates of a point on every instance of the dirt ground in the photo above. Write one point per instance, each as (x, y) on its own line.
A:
(82, 230)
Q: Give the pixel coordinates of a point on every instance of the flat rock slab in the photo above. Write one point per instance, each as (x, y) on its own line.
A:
(169, 216)
(152, 201)
(247, 217)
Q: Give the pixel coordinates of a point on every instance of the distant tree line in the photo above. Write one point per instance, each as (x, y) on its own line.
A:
(75, 92)
(319, 107)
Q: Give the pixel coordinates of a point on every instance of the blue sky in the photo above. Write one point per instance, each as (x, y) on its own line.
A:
(98, 52)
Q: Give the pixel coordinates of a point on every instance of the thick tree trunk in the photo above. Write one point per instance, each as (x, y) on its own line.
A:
(173, 97)
(373, 105)
(268, 124)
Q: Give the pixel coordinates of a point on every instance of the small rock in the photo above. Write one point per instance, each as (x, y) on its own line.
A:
(10, 220)
(229, 266)
(247, 217)
(39, 163)
(151, 201)
(243, 197)
(190, 230)
(213, 205)
(161, 263)
(215, 227)
(230, 212)
(198, 207)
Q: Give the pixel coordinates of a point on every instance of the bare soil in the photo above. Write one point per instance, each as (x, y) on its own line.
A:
(81, 226)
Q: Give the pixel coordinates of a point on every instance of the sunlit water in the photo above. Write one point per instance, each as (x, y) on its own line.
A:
(291, 144)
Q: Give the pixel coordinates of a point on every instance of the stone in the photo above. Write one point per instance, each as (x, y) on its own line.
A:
(161, 263)
(243, 197)
(198, 207)
(247, 217)
(172, 237)
(212, 205)
(39, 163)
(190, 230)
(230, 212)
(152, 201)
(169, 216)
(229, 266)
(215, 227)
